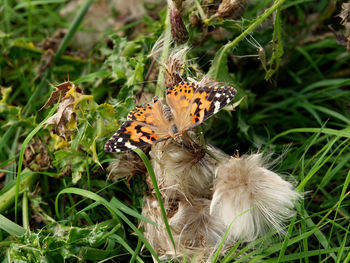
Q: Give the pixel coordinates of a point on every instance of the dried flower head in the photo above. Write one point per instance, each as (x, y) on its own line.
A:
(251, 197)
(244, 195)
(194, 230)
(183, 170)
(232, 9)
(173, 67)
(194, 225)
(127, 165)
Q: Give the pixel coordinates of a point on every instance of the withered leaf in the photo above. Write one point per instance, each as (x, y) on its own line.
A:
(46, 61)
(63, 116)
(61, 90)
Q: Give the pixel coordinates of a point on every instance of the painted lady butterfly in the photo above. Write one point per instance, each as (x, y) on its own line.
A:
(188, 106)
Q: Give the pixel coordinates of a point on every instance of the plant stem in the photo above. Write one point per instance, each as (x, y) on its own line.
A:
(164, 57)
(25, 213)
(29, 19)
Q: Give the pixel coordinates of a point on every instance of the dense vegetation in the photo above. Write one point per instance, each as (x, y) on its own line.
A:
(289, 61)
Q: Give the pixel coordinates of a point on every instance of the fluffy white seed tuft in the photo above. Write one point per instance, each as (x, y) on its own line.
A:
(251, 198)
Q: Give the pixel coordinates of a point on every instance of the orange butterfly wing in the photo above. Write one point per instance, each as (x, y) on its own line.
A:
(144, 125)
(192, 104)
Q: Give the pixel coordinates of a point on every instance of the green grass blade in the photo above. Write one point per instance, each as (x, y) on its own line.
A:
(342, 247)
(119, 205)
(321, 161)
(11, 227)
(342, 133)
(286, 239)
(223, 239)
(321, 237)
(152, 175)
(112, 209)
(305, 255)
(73, 28)
(127, 247)
(229, 255)
(21, 154)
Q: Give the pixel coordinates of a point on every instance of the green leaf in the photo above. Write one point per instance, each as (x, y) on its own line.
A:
(219, 70)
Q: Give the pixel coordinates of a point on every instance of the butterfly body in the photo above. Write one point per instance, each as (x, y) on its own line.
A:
(188, 105)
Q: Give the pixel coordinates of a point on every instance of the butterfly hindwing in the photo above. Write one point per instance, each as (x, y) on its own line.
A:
(207, 101)
(131, 135)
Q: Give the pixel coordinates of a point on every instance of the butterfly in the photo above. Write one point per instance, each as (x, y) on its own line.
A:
(188, 105)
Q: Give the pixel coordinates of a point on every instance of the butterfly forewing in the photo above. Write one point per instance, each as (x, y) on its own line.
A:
(207, 101)
(179, 100)
(144, 125)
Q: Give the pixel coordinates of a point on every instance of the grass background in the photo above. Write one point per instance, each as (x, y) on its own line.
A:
(63, 209)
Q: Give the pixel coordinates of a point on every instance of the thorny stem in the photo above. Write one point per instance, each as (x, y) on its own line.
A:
(250, 29)
(164, 57)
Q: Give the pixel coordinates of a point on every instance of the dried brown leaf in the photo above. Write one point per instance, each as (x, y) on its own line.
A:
(61, 91)
(63, 116)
